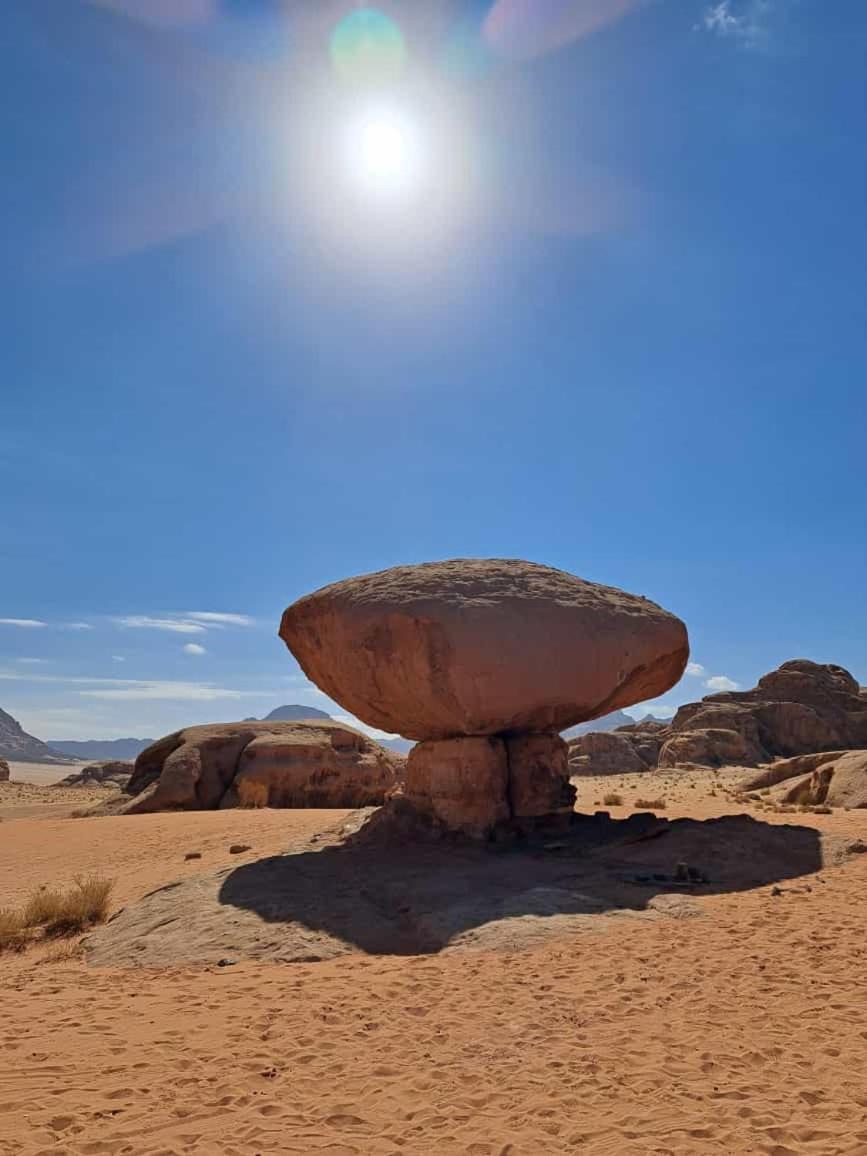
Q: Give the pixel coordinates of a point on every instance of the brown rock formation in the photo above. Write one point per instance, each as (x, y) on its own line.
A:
(4, 771)
(801, 708)
(478, 646)
(832, 778)
(483, 661)
(256, 764)
(105, 774)
(608, 753)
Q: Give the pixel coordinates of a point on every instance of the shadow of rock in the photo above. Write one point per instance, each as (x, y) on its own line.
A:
(388, 899)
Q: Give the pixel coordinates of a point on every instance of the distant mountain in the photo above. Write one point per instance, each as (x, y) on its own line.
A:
(17, 745)
(399, 745)
(608, 722)
(293, 713)
(116, 750)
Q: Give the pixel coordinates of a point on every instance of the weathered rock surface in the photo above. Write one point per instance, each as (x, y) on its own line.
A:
(462, 782)
(257, 764)
(4, 771)
(832, 778)
(539, 784)
(106, 774)
(608, 753)
(802, 708)
(482, 647)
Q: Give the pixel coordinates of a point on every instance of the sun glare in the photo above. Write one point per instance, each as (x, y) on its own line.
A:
(384, 152)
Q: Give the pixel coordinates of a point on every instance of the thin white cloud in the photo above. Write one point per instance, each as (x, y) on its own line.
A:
(657, 709)
(25, 623)
(77, 626)
(721, 682)
(172, 625)
(695, 669)
(743, 21)
(214, 618)
(32, 661)
(167, 692)
(118, 658)
(194, 648)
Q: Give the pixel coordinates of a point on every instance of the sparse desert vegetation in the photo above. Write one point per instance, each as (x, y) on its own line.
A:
(50, 912)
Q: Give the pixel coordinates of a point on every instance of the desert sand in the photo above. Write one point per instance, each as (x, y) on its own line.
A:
(742, 1030)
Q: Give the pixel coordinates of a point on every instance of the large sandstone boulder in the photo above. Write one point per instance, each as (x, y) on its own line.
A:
(262, 764)
(482, 647)
(608, 753)
(105, 774)
(713, 747)
(4, 771)
(835, 779)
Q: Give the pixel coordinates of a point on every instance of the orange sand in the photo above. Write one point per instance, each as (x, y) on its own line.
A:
(742, 1032)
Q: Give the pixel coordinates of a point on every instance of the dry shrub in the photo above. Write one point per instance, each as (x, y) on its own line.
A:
(612, 799)
(67, 912)
(650, 804)
(13, 933)
(67, 952)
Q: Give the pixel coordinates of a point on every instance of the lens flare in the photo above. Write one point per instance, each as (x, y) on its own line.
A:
(368, 47)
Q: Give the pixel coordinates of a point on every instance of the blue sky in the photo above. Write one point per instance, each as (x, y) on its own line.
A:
(618, 326)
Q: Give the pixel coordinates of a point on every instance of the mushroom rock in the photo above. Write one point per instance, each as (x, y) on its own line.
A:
(483, 661)
(482, 647)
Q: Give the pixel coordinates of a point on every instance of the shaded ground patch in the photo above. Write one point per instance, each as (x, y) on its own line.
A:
(351, 892)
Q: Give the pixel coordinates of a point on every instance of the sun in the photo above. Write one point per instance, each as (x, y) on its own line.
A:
(384, 152)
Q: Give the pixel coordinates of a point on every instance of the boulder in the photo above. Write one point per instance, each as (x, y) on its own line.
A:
(106, 774)
(608, 753)
(713, 747)
(461, 782)
(830, 778)
(262, 764)
(839, 782)
(4, 771)
(482, 647)
(539, 784)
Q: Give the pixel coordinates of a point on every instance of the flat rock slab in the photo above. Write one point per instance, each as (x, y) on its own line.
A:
(345, 895)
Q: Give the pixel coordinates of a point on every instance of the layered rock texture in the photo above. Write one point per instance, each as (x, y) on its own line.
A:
(832, 778)
(483, 662)
(801, 708)
(105, 774)
(262, 764)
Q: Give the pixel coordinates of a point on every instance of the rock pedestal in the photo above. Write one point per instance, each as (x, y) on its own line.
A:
(484, 661)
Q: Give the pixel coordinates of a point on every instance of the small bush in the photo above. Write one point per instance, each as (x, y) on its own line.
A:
(612, 799)
(650, 804)
(13, 933)
(67, 912)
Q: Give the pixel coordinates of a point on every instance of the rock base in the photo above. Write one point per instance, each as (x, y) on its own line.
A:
(482, 785)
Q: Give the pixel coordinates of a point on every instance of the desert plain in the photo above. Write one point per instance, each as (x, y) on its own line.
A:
(733, 1020)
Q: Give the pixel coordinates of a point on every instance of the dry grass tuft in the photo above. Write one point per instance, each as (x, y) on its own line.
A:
(56, 913)
(13, 932)
(650, 804)
(612, 799)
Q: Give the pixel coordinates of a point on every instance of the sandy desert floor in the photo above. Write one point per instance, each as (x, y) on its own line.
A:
(743, 1031)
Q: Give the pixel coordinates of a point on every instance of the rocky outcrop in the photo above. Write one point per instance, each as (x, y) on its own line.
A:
(4, 771)
(476, 647)
(18, 746)
(608, 753)
(257, 764)
(484, 661)
(801, 708)
(832, 778)
(106, 774)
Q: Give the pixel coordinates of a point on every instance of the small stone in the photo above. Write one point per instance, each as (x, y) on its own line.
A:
(226, 962)
(193, 855)
(776, 891)
(239, 848)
